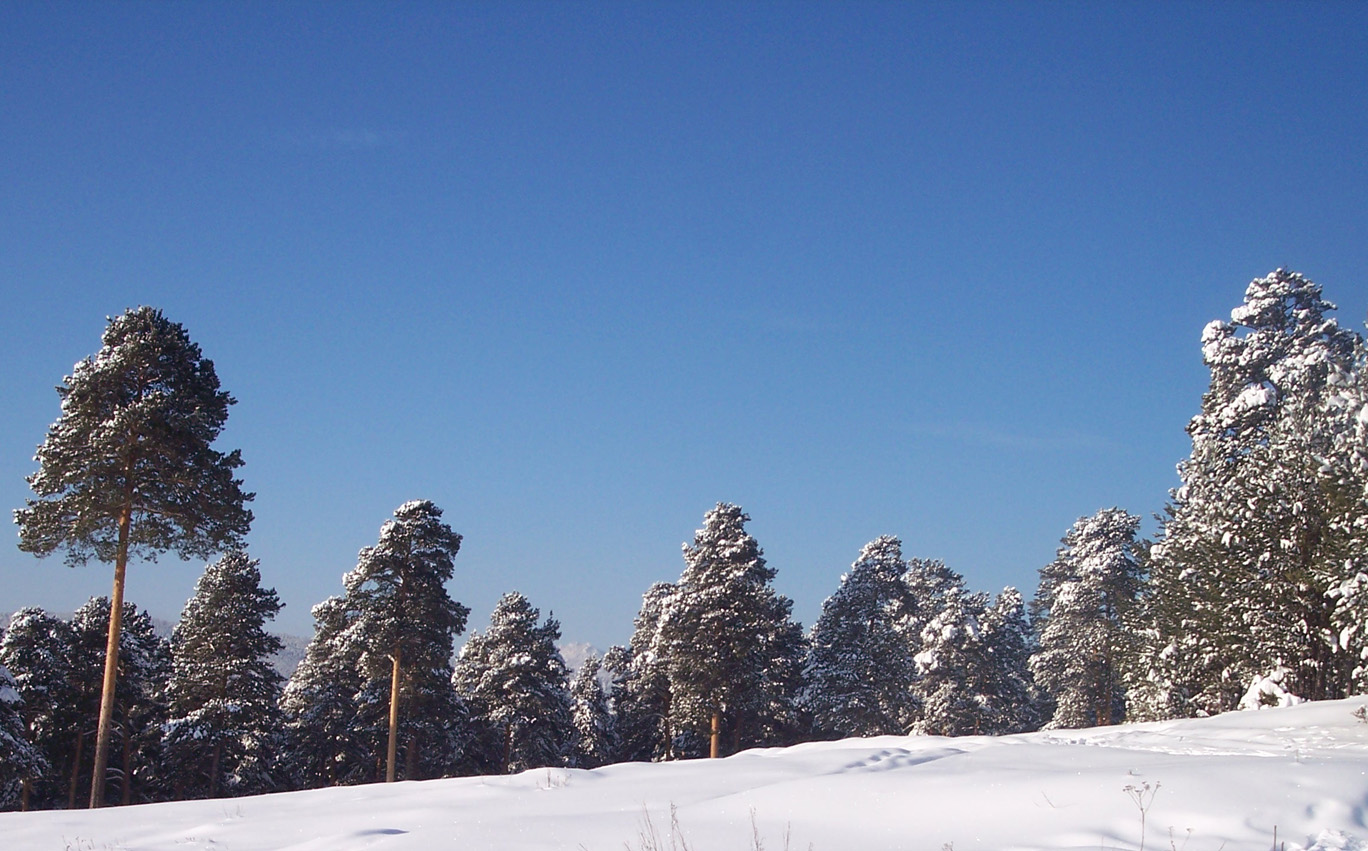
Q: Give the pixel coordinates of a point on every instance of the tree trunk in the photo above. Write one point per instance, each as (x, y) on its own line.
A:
(411, 758)
(24, 795)
(715, 737)
(126, 797)
(214, 760)
(508, 747)
(393, 719)
(111, 656)
(75, 770)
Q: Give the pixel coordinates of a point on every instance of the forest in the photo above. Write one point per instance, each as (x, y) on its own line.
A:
(1254, 591)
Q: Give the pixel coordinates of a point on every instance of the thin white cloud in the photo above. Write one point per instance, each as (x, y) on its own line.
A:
(342, 139)
(986, 435)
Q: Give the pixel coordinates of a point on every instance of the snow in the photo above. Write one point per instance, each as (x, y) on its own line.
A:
(1267, 691)
(1231, 780)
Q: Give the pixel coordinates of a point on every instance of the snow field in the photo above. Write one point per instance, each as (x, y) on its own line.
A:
(1229, 780)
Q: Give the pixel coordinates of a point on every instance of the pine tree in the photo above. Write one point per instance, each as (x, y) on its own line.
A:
(641, 685)
(38, 650)
(404, 624)
(139, 707)
(859, 669)
(1011, 697)
(21, 762)
(321, 745)
(1345, 475)
(1085, 599)
(595, 739)
(928, 583)
(127, 469)
(515, 684)
(954, 669)
(1252, 554)
(732, 653)
(224, 690)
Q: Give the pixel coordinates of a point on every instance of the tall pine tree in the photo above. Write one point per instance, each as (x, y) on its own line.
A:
(732, 654)
(402, 633)
(1254, 547)
(128, 470)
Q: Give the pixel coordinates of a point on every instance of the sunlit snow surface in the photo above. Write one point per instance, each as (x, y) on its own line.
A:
(1229, 780)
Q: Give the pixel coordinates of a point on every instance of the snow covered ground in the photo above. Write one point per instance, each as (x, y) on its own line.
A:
(1218, 783)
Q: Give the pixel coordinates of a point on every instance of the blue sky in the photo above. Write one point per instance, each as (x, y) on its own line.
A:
(578, 271)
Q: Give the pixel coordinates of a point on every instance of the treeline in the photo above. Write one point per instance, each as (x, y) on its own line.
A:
(1255, 591)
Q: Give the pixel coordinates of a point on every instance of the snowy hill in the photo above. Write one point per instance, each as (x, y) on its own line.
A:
(1228, 782)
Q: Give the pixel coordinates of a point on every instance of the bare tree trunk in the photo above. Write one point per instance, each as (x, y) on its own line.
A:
(715, 737)
(24, 795)
(393, 719)
(111, 656)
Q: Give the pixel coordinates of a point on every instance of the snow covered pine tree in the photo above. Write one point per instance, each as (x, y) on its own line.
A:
(139, 708)
(1254, 548)
(1085, 597)
(20, 760)
(595, 737)
(514, 682)
(402, 630)
(641, 685)
(127, 469)
(224, 690)
(859, 671)
(732, 653)
(321, 742)
(38, 650)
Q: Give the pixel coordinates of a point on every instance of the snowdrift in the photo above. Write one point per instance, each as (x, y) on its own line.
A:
(1232, 782)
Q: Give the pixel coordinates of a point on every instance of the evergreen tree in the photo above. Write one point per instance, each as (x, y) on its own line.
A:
(954, 668)
(402, 632)
(1084, 602)
(732, 654)
(321, 745)
(641, 685)
(1011, 698)
(224, 690)
(1345, 475)
(595, 739)
(139, 708)
(1254, 549)
(38, 649)
(21, 762)
(127, 469)
(859, 669)
(928, 584)
(515, 684)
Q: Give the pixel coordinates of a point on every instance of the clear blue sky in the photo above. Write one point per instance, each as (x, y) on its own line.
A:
(578, 271)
